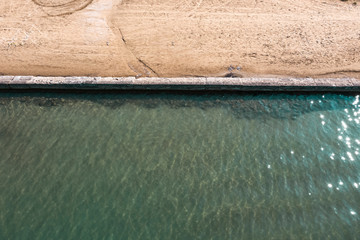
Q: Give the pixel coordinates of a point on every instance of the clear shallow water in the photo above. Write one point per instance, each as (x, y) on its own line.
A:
(179, 166)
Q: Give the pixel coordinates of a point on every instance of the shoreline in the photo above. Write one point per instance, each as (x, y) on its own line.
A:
(184, 84)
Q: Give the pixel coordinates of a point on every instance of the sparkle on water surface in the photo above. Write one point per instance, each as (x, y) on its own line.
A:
(179, 166)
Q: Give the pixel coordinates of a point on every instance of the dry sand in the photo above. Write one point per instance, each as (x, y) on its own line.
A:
(177, 38)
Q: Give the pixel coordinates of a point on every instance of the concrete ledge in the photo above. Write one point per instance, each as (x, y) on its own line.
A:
(193, 83)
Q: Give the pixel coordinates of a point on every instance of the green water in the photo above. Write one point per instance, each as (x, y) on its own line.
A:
(179, 166)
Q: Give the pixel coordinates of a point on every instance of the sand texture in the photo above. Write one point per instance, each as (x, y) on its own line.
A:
(180, 38)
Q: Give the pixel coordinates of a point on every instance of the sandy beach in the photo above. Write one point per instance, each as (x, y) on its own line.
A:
(183, 38)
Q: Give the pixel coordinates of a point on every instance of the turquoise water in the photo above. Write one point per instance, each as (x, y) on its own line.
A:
(179, 166)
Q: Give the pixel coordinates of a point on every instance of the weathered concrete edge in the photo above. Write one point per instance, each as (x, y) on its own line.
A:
(192, 83)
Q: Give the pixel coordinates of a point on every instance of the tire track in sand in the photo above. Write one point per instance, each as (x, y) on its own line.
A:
(124, 47)
(60, 8)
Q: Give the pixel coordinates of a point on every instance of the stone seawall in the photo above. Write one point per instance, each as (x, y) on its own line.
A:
(188, 84)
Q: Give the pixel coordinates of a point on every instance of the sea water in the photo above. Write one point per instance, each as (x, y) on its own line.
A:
(157, 165)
